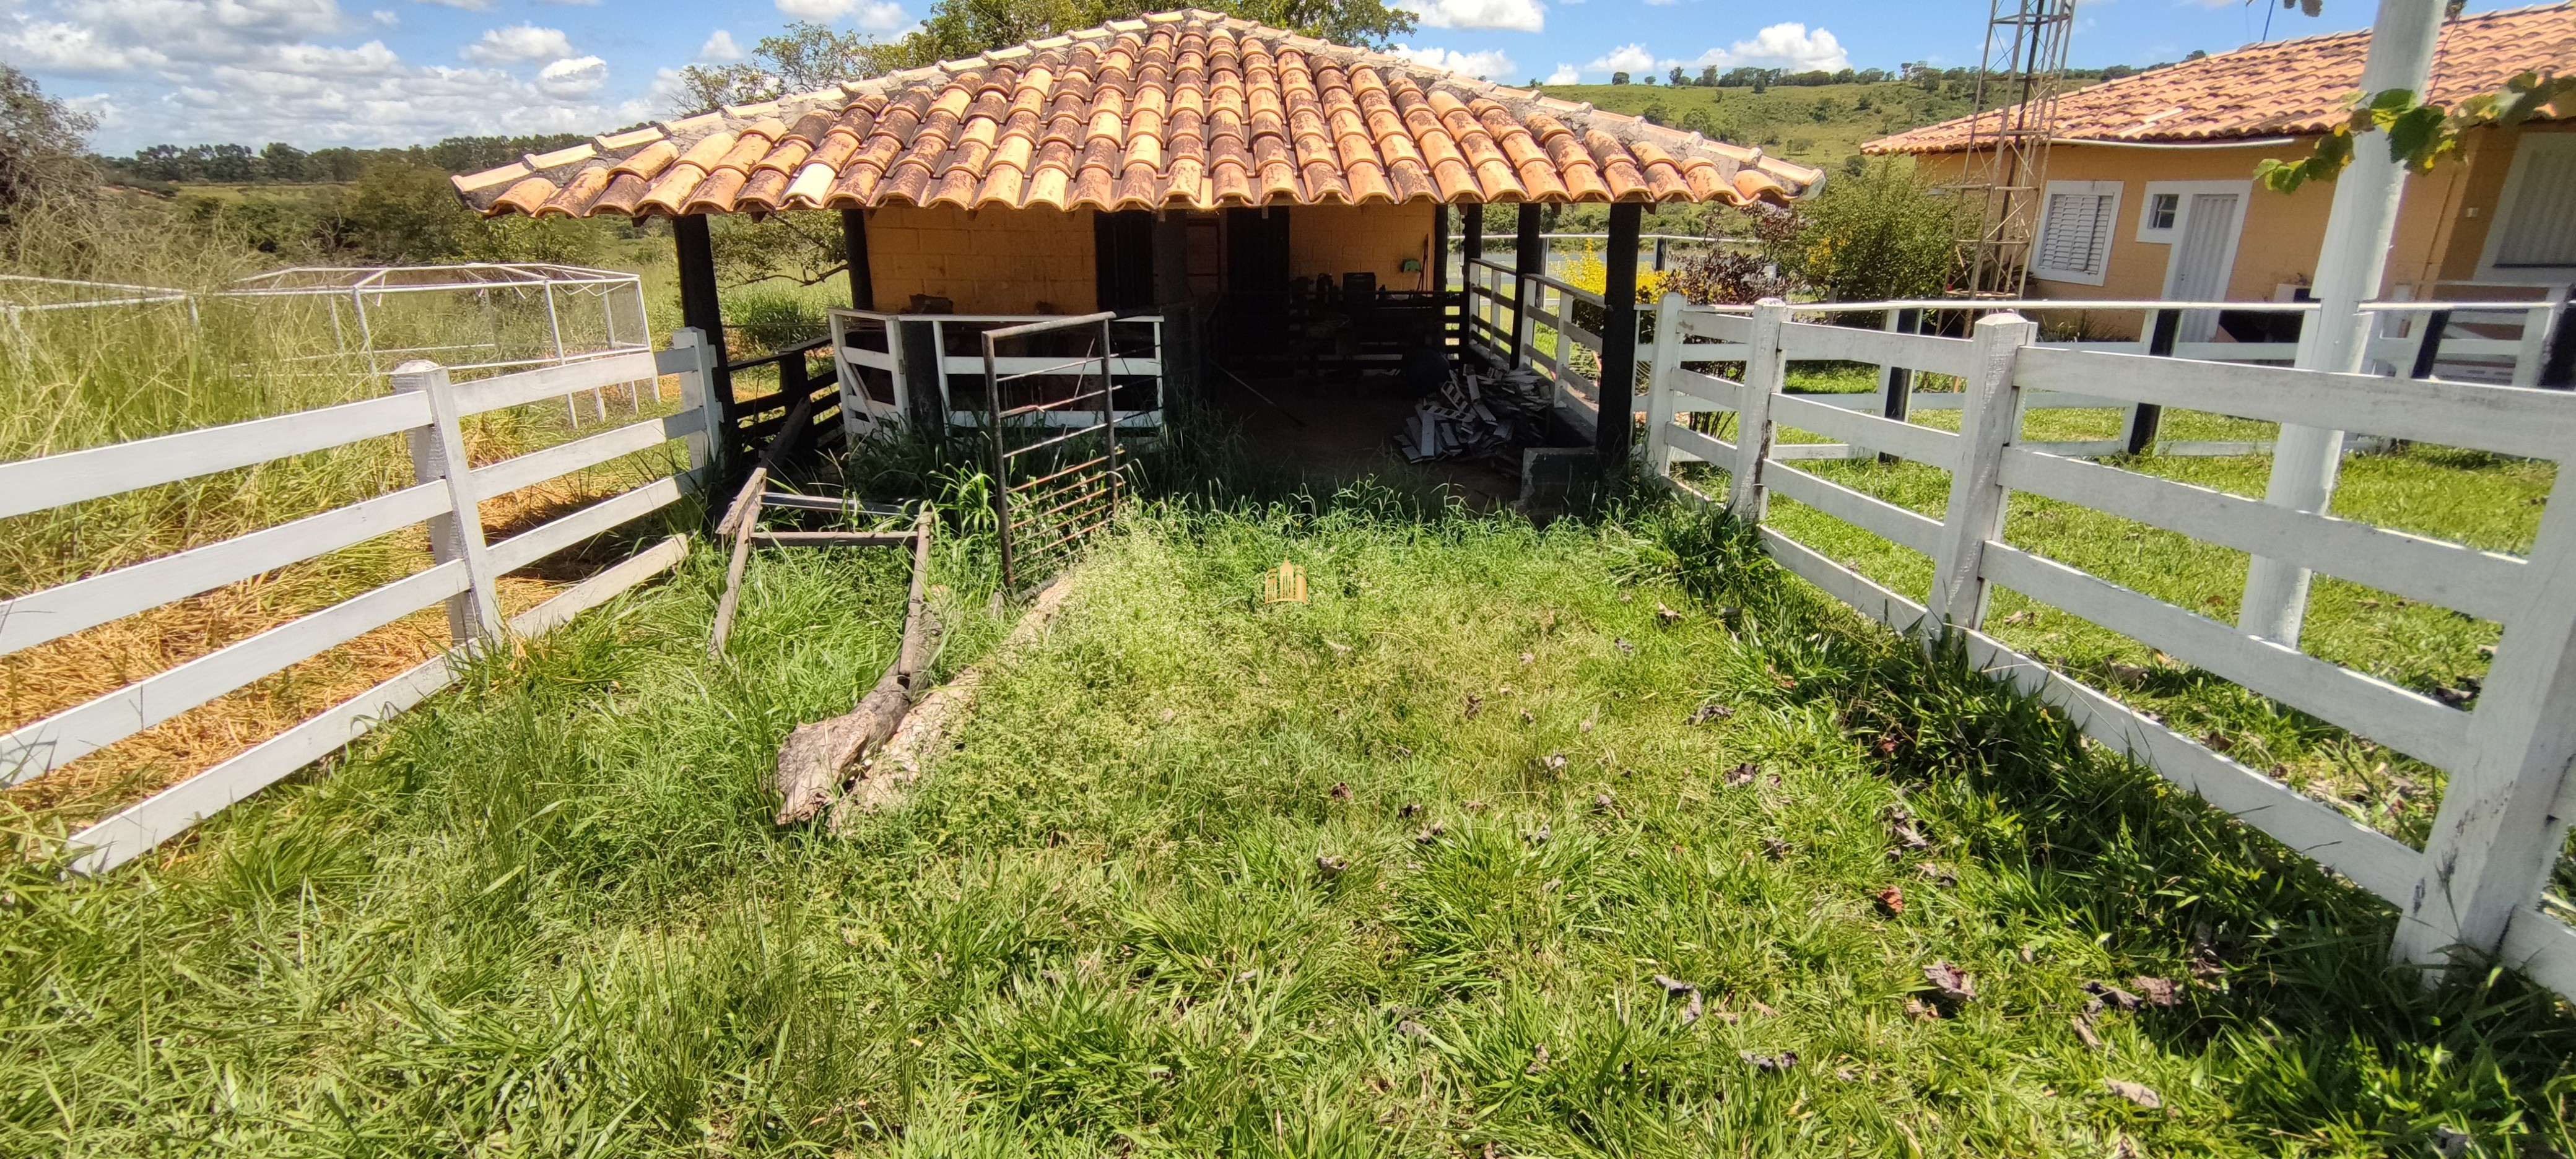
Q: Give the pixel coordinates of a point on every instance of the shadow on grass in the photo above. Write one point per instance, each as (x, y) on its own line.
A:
(2290, 965)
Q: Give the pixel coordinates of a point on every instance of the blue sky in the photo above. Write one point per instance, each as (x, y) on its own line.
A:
(390, 72)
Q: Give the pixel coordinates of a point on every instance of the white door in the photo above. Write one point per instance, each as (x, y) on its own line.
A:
(2203, 258)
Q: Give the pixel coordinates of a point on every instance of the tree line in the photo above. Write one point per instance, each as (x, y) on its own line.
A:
(279, 163)
(1918, 74)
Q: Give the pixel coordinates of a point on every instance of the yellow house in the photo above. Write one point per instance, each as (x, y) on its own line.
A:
(2150, 191)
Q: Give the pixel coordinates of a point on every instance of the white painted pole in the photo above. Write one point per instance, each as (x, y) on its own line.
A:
(2349, 268)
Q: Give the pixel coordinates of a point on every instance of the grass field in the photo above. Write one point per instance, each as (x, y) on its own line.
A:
(2486, 501)
(1395, 873)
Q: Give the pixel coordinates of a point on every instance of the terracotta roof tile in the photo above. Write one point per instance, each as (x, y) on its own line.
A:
(2285, 88)
(1189, 108)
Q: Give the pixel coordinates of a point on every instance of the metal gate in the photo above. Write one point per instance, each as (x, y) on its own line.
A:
(1056, 458)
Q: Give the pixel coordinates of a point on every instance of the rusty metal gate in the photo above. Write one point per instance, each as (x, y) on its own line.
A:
(1054, 425)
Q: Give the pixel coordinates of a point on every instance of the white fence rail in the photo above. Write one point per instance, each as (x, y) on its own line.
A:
(428, 409)
(2484, 342)
(2478, 884)
(877, 366)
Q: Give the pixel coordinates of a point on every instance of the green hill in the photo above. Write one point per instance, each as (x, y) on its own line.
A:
(1822, 125)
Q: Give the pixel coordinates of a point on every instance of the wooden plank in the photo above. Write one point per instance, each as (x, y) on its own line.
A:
(1867, 512)
(2543, 948)
(1705, 448)
(175, 810)
(1815, 452)
(2372, 860)
(2238, 351)
(552, 382)
(599, 518)
(2483, 584)
(53, 613)
(1975, 514)
(1700, 322)
(1863, 594)
(1721, 393)
(1905, 440)
(1707, 352)
(1764, 375)
(2533, 423)
(54, 480)
(172, 811)
(601, 588)
(535, 467)
(2362, 704)
(1806, 341)
(832, 538)
(66, 736)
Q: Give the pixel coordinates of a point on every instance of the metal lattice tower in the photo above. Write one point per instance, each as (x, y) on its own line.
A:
(2007, 158)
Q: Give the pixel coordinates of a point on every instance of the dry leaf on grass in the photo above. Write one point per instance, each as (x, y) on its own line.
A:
(2139, 1093)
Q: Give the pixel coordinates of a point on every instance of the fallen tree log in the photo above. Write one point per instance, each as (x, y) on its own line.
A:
(925, 734)
(815, 760)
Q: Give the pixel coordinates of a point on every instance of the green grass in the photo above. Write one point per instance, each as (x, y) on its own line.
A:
(548, 915)
(2486, 501)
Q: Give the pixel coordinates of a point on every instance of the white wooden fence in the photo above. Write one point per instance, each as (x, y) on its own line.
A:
(428, 409)
(2495, 342)
(871, 357)
(2478, 884)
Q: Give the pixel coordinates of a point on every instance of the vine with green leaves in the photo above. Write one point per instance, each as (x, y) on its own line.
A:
(2420, 133)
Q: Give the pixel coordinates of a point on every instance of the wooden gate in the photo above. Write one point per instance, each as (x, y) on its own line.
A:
(1054, 426)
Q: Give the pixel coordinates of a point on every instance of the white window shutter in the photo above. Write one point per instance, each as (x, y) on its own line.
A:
(2074, 243)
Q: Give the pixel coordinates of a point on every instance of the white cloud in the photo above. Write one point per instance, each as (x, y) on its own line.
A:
(572, 78)
(386, 17)
(1565, 74)
(1514, 15)
(467, 5)
(278, 70)
(518, 42)
(719, 49)
(1488, 64)
(1630, 58)
(874, 15)
(1787, 45)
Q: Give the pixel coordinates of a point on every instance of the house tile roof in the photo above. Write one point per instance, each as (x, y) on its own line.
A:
(1189, 108)
(2286, 88)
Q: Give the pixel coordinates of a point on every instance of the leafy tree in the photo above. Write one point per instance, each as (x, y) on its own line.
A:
(807, 56)
(406, 213)
(1618, 78)
(43, 154)
(1679, 78)
(1876, 235)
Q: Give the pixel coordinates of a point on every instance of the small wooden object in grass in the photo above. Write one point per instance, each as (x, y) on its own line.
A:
(812, 764)
(739, 520)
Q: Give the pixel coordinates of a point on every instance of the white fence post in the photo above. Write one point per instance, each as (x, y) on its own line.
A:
(1524, 323)
(1989, 423)
(2504, 818)
(706, 445)
(1764, 371)
(438, 453)
(1659, 382)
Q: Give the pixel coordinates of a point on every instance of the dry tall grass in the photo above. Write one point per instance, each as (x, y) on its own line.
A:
(72, 379)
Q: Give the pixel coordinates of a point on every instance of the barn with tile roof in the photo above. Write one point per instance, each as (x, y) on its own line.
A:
(1173, 161)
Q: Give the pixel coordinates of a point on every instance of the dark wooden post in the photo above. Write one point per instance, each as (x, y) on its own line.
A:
(1440, 273)
(701, 308)
(1619, 340)
(2163, 327)
(1529, 256)
(854, 248)
(1471, 246)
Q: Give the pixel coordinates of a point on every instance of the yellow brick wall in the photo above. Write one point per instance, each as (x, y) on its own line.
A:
(993, 261)
(1341, 239)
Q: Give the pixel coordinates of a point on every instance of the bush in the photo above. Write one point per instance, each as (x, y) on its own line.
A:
(1880, 234)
